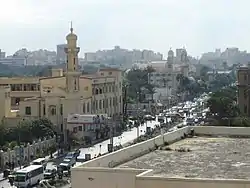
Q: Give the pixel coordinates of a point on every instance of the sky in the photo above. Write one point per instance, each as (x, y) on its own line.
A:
(198, 25)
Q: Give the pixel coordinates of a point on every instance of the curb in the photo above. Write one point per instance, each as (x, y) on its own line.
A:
(3, 179)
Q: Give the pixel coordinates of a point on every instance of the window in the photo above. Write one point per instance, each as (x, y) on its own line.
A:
(114, 101)
(44, 109)
(245, 77)
(88, 107)
(75, 85)
(110, 73)
(96, 91)
(17, 101)
(75, 130)
(102, 74)
(61, 109)
(84, 108)
(100, 104)
(245, 109)
(80, 128)
(27, 110)
(169, 66)
(110, 102)
(61, 127)
(32, 87)
(53, 111)
(103, 103)
(86, 88)
(96, 105)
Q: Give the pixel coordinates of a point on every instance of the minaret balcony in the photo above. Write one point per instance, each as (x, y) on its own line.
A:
(72, 73)
(68, 50)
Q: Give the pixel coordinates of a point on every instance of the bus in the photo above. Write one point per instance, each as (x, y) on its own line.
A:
(40, 161)
(29, 176)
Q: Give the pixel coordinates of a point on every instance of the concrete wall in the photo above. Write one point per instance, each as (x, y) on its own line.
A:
(224, 131)
(104, 178)
(26, 152)
(98, 173)
(162, 182)
(134, 151)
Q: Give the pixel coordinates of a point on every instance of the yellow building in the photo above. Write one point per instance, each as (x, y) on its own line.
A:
(66, 93)
(243, 83)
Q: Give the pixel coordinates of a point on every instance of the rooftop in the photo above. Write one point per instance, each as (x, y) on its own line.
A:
(205, 157)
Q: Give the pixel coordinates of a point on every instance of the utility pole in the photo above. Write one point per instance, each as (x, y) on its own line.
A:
(137, 113)
(111, 134)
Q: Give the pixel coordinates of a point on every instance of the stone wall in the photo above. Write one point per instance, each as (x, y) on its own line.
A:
(27, 153)
(136, 150)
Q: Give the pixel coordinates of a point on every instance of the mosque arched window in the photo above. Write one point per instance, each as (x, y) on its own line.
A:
(96, 91)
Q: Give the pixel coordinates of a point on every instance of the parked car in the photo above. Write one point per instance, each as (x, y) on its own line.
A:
(149, 118)
(70, 161)
(50, 173)
(77, 152)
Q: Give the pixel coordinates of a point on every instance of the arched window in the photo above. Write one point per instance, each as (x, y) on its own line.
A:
(96, 91)
(52, 110)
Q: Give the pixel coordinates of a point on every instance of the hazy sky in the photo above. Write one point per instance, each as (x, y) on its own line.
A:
(199, 25)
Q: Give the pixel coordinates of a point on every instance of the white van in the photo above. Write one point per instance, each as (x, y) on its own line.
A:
(40, 161)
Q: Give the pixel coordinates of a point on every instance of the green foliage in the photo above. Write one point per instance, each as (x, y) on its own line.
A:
(241, 122)
(26, 131)
(224, 109)
(223, 103)
(137, 84)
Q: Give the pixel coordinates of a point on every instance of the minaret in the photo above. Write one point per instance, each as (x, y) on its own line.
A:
(72, 74)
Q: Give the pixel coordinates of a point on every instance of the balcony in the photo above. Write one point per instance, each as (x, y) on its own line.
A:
(24, 94)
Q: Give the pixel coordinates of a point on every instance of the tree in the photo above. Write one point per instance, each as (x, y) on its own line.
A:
(203, 71)
(42, 128)
(223, 107)
(137, 81)
(26, 131)
(241, 122)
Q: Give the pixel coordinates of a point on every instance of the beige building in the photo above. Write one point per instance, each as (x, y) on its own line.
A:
(243, 79)
(215, 157)
(65, 93)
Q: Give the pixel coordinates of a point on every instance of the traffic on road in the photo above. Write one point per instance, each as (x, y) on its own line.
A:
(189, 113)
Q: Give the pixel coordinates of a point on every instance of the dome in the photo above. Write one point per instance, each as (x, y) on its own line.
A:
(71, 35)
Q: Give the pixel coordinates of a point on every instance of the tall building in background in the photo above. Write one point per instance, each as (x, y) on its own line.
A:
(60, 53)
(2, 54)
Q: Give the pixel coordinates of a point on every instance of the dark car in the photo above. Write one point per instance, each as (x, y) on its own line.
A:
(50, 173)
(77, 152)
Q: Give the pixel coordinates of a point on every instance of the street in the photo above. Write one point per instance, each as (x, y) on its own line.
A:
(102, 147)
(125, 137)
